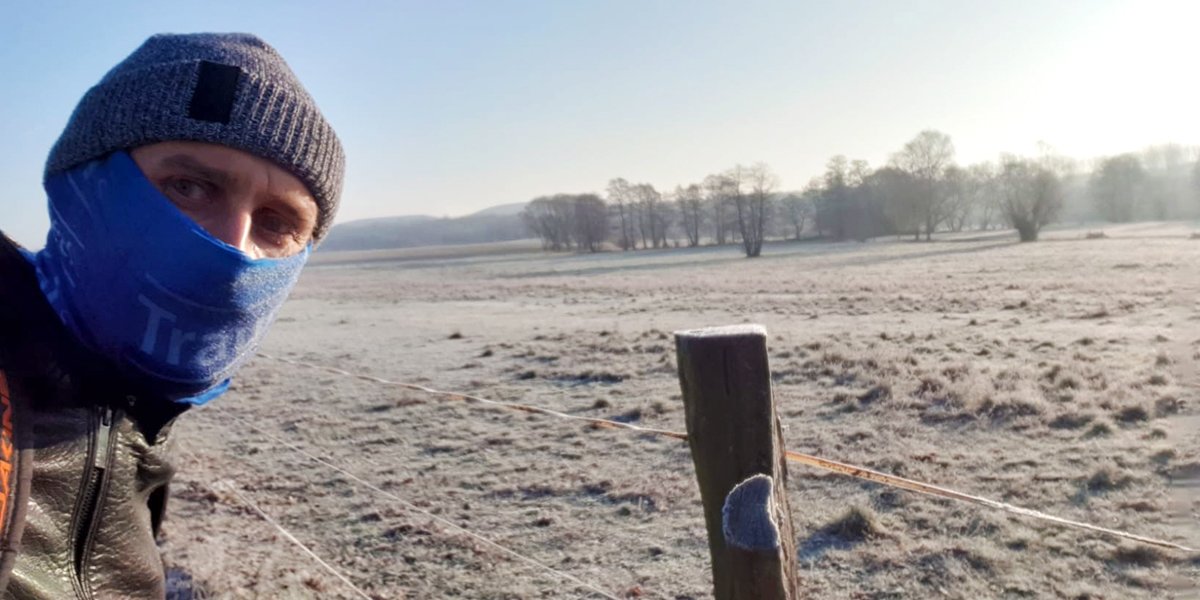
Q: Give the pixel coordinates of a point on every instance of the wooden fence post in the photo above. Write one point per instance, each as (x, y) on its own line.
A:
(737, 447)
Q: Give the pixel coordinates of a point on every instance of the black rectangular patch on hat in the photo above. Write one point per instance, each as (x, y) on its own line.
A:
(212, 100)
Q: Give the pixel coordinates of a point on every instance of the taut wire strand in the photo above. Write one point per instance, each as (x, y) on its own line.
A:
(934, 490)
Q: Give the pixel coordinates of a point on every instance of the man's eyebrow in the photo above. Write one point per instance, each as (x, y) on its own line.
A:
(307, 217)
(199, 169)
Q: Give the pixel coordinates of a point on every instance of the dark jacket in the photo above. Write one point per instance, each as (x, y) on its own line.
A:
(85, 489)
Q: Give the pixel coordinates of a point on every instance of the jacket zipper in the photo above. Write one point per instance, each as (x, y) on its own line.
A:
(91, 496)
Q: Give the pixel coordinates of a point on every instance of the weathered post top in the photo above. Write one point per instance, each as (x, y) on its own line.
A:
(746, 329)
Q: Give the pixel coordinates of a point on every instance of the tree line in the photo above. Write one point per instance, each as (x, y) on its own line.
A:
(919, 192)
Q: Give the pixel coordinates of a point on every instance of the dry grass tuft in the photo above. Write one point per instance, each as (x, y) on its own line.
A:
(964, 559)
(1167, 405)
(1068, 383)
(1158, 433)
(1135, 413)
(1052, 373)
(1010, 406)
(1101, 428)
(878, 392)
(1107, 478)
(1163, 456)
(857, 524)
(1141, 555)
(589, 376)
(979, 557)
(1071, 420)
(930, 385)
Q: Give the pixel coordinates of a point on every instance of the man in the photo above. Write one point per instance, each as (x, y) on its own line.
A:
(185, 195)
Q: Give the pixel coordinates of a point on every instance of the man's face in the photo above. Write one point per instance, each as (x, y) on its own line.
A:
(245, 201)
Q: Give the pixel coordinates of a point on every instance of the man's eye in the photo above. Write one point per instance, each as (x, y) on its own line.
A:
(276, 226)
(188, 189)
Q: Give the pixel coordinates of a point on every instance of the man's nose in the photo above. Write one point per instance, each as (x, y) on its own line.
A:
(232, 227)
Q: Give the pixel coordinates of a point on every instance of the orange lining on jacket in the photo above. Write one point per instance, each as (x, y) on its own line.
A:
(6, 450)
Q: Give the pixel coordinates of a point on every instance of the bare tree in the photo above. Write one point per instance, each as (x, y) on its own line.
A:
(798, 210)
(620, 196)
(642, 217)
(648, 218)
(956, 194)
(900, 195)
(926, 157)
(718, 190)
(1116, 187)
(851, 200)
(1031, 195)
(865, 212)
(691, 211)
(665, 217)
(537, 217)
(752, 190)
(833, 207)
(551, 218)
(982, 196)
(591, 222)
(815, 193)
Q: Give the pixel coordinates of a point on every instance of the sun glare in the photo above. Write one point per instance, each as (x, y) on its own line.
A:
(1127, 82)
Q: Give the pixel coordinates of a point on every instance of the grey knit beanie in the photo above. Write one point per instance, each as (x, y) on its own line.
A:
(229, 89)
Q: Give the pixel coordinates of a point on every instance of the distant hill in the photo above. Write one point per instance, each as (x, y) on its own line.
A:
(502, 210)
(496, 224)
(384, 222)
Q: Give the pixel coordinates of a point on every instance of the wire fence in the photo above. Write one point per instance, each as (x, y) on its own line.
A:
(392, 497)
(232, 489)
(592, 590)
(855, 471)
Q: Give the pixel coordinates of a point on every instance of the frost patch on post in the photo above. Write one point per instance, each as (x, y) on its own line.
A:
(746, 517)
(744, 329)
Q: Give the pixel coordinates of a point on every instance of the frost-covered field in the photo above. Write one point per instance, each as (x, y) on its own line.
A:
(1058, 376)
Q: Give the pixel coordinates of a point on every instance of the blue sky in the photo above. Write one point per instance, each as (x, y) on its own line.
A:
(448, 107)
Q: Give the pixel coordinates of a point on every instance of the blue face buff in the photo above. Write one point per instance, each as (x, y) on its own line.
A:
(139, 282)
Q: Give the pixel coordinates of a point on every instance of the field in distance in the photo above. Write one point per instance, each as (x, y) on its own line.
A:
(349, 257)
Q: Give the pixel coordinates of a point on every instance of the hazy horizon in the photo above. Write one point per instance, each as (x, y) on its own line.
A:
(446, 109)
